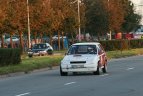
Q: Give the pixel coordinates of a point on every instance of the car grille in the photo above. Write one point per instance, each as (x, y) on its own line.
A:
(77, 62)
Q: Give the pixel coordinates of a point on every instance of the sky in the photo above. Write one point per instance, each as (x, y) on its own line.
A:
(136, 1)
(137, 4)
(139, 7)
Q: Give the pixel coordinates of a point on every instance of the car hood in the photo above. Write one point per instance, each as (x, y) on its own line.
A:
(87, 57)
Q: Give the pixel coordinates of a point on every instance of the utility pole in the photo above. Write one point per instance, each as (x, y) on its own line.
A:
(110, 32)
(28, 20)
(79, 30)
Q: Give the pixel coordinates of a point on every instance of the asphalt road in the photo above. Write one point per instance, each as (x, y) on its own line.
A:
(124, 78)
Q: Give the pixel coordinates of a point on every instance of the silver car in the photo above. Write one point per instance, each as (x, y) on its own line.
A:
(40, 49)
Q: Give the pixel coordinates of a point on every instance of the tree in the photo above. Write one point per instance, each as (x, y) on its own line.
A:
(132, 19)
(2, 19)
(36, 18)
(96, 17)
(115, 14)
(59, 14)
(17, 16)
(110, 15)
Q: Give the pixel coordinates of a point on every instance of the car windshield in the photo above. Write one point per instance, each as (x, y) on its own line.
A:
(40, 46)
(82, 49)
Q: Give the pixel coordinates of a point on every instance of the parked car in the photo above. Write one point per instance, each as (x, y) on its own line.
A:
(84, 57)
(40, 49)
(55, 37)
(14, 39)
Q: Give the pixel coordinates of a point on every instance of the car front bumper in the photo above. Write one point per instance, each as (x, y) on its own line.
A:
(37, 53)
(93, 69)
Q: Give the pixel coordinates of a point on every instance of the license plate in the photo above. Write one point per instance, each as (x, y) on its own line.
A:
(77, 66)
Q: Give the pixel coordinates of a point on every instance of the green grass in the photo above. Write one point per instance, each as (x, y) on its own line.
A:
(125, 53)
(38, 62)
(30, 64)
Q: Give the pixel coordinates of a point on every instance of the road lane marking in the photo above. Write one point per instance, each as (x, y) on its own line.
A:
(69, 83)
(104, 75)
(23, 94)
(131, 68)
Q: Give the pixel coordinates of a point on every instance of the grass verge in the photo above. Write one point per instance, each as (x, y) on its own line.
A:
(125, 53)
(30, 64)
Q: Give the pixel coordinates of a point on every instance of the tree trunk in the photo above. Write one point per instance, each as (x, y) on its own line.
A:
(2, 41)
(59, 45)
(51, 39)
(63, 40)
(41, 37)
(72, 38)
(21, 42)
(35, 39)
(11, 42)
(98, 36)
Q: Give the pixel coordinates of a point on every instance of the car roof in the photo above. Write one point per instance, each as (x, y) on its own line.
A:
(42, 44)
(87, 43)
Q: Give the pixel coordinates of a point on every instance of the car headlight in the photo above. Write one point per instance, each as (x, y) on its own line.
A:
(30, 52)
(64, 62)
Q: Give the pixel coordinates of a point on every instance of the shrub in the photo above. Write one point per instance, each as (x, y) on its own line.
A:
(10, 56)
(112, 45)
(137, 43)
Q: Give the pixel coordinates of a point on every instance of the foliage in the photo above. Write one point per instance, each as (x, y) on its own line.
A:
(10, 56)
(112, 45)
(132, 20)
(96, 17)
(60, 17)
(103, 16)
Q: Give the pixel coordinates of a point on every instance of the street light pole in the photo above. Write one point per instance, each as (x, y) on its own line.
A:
(79, 30)
(28, 20)
(110, 32)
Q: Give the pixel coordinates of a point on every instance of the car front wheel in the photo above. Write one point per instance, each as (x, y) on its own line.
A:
(50, 52)
(63, 73)
(97, 72)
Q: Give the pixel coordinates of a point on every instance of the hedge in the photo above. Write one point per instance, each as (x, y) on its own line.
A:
(111, 45)
(10, 56)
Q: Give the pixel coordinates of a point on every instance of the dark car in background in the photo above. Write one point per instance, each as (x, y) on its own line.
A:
(40, 49)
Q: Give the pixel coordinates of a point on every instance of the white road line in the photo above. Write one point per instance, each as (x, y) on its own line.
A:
(131, 68)
(69, 83)
(104, 75)
(23, 94)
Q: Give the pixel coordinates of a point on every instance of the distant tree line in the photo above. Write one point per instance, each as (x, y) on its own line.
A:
(50, 17)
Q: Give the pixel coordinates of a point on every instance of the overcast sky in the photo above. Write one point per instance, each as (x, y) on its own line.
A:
(139, 9)
(136, 1)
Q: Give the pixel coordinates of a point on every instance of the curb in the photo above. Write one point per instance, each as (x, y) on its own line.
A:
(29, 72)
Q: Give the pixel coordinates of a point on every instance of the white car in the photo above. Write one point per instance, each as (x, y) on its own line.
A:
(14, 39)
(84, 57)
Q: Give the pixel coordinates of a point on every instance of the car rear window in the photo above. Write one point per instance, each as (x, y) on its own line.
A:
(39, 46)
